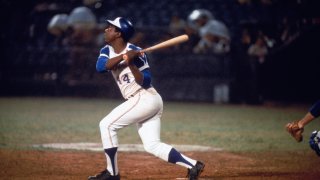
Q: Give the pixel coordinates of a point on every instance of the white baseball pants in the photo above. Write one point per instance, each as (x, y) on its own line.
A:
(144, 109)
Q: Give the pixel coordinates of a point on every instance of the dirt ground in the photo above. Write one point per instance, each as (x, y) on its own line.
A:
(40, 164)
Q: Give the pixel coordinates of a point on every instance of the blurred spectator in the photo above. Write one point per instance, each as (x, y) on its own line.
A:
(241, 65)
(58, 24)
(214, 34)
(246, 38)
(244, 1)
(40, 16)
(139, 38)
(177, 25)
(258, 50)
(288, 30)
(81, 60)
(257, 53)
(82, 39)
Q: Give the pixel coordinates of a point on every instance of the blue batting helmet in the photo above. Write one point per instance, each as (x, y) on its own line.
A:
(125, 26)
(314, 142)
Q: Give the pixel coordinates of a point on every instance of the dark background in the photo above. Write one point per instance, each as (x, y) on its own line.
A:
(290, 73)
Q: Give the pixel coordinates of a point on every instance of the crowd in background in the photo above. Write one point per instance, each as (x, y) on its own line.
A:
(246, 30)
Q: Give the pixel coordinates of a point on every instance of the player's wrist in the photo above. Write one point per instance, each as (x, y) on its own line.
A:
(301, 124)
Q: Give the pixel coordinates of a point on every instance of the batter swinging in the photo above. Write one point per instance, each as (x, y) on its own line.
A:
(143, 105)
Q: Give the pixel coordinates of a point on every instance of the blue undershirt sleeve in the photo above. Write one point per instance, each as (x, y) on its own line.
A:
(146, 78)
(101, 64)
(315, 109)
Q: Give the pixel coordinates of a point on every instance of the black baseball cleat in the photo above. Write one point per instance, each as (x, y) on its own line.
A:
(195, 171)
(104, 175)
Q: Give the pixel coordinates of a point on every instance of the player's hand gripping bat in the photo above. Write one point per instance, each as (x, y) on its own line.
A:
(164, 44)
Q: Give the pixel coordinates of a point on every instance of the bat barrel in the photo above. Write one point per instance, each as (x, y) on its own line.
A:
(165, 44)
(168, 43)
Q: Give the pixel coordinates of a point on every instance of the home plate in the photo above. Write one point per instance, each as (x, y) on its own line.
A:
(122, 147)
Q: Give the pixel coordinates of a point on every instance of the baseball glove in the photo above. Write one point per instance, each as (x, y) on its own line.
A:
(295, 131)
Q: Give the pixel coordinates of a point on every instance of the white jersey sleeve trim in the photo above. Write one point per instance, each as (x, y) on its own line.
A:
(104, 55)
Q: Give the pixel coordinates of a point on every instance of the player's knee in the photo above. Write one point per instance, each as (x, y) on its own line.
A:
(158, 149)
(152, 147)
(104, 124)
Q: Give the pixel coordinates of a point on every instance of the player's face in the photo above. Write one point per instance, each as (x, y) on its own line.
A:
(111, 33)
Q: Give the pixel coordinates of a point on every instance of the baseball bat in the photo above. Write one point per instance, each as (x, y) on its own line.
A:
(164, 44)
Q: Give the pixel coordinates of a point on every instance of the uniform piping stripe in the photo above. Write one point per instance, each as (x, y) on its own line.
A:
(104, 55)
(119, 118)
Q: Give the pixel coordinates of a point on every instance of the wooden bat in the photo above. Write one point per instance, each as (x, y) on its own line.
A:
(164, 44)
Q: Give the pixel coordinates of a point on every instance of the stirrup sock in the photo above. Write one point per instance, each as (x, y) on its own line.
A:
(112, 164)
(177, 158)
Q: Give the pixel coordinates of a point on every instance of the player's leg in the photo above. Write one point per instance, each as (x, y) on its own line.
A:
(118, 118)
(131, 111)
(149, 132)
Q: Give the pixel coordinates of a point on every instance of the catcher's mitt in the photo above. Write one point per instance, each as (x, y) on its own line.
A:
(295, 131)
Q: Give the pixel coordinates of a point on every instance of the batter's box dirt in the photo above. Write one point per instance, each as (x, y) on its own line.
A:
(70, 164)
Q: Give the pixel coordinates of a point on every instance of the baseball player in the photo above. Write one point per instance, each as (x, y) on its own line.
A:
(296, 128)
(143, 105)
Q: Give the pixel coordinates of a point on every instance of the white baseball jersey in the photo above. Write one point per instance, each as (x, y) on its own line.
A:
(122, 74)
(216, 28)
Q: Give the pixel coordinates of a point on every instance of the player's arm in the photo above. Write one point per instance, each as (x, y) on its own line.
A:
(104, 63)
(141, 77)
(313, 113)
(113, 62)
(138, 75)
(296, 128)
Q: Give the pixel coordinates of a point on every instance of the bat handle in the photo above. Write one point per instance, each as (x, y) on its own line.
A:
(125, 57)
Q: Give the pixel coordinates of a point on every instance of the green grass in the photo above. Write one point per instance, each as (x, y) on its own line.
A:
(27, 121)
